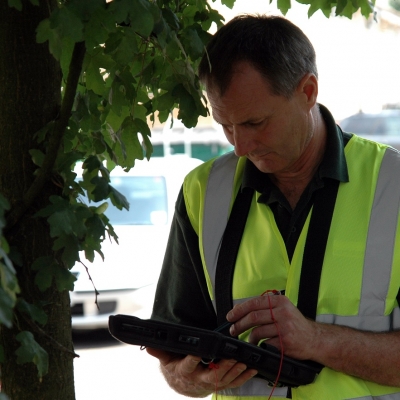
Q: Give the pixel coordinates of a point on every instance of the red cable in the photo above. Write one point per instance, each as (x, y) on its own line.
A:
(280, 338)
(213, 366)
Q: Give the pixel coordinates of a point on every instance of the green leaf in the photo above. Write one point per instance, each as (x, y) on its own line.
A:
(98, 28)
(171, 18)
(96, 233)
(366, 8)
(187, 106)
(2, 356)
(102, 188)
(70, 247)
(64, 279)
(37, 156)
(67, 24)
(6, 308)
(118, 199)
(94, 79)
(8, 277)
(127, 47)
(323, 5)
(228, 3)
(164, 102)
(44, 33)
(101, 209)
(44, 277)
(31, 351)
(345, 10)
(92, 163)
(283, 6)
(47, 268)
(130, 148)
(141, 18)
(36, 313)
(64, 218)
(4, 204)
(84, 10)
(193, 44)
(148, 147)
(17, 4)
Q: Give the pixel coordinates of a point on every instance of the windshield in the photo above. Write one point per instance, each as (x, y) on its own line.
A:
(147, 197)
(379, 125)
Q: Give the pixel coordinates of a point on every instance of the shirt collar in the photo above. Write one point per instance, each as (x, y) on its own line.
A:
(333, 164)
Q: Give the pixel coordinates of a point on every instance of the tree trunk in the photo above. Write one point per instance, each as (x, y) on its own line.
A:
(30, 82)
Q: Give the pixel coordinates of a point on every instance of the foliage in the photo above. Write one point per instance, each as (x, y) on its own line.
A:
(8, 281)
(395, 4)
(133, 62)
(343, 8)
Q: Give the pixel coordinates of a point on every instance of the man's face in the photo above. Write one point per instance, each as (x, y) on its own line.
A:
(271, 131)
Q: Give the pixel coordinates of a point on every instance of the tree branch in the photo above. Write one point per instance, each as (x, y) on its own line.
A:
(55, 138)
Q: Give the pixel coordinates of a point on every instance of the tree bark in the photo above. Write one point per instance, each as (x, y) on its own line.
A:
(30, 82)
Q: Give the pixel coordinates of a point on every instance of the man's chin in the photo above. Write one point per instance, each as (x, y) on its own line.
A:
(264, 166)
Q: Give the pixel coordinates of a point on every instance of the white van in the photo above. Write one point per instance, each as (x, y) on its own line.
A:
(127, 278)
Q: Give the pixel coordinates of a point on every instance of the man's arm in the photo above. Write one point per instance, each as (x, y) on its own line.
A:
(182, 295)
(367, 355)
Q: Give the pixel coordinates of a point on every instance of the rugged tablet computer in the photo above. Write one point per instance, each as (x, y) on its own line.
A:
(212, 345)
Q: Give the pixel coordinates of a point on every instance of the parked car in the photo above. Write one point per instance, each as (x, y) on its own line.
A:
(127, 278)
(382, 127)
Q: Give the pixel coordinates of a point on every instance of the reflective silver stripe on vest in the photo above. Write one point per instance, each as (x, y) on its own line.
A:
(379, 254)
(255, 386)
(216, 208)
(381, 236)
(393, 396)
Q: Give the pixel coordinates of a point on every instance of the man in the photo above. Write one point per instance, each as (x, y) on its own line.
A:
(261, 81)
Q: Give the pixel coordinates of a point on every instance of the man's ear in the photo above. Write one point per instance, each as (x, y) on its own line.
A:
(308, 87)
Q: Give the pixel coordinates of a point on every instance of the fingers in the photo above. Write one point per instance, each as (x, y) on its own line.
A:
(258, 303)
(189, 365)
(189, 376)
(254, 313)
(230, 373)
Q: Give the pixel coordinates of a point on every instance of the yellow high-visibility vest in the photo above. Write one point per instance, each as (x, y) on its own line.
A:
(361, 270)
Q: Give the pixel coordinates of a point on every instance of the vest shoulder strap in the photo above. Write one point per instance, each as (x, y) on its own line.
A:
(228, 252)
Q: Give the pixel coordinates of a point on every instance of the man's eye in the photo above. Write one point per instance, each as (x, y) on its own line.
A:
(254, 124)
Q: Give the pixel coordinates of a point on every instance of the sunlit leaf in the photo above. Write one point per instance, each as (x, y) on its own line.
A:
(283, 6)
(228, 3)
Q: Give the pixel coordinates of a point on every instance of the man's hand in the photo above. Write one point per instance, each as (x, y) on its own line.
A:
(297, 333)
(188, 376)
(371, 356)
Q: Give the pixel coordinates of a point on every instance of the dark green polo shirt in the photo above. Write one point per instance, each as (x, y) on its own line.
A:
(182, 294)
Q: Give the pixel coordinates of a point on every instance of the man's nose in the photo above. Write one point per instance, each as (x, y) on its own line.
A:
(242, 141)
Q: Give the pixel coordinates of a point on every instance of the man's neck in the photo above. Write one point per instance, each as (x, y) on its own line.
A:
(293, 182)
